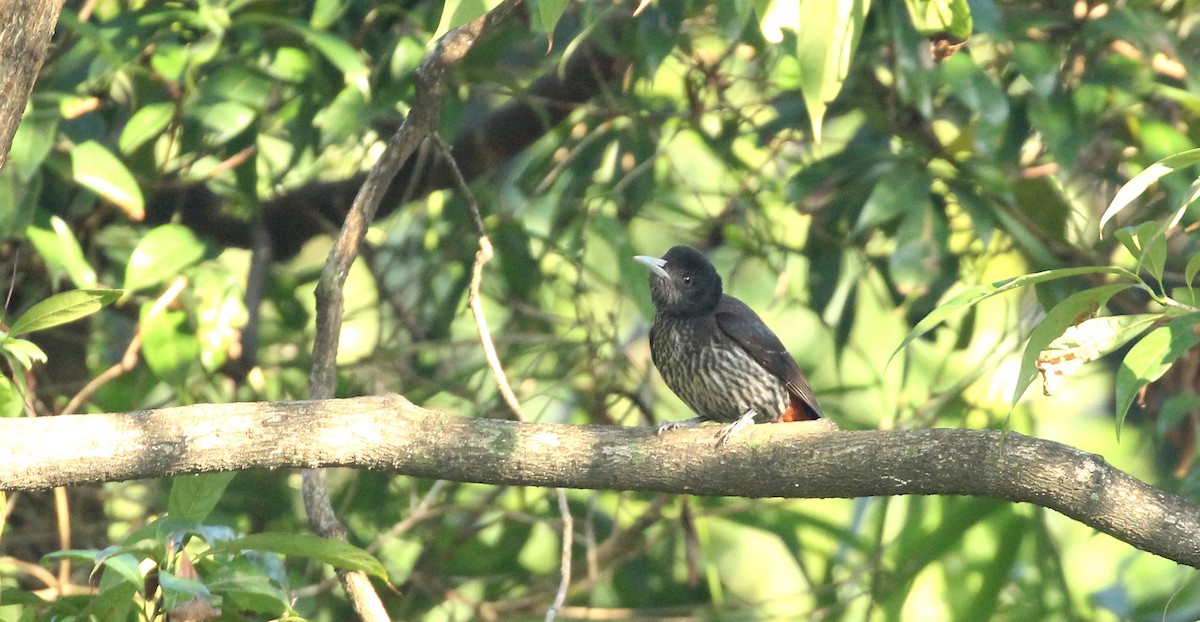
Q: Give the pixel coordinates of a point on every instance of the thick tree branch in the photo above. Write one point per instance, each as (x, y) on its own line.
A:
(388, 433)
(25, 30)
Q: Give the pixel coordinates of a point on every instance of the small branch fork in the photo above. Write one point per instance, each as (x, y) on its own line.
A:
(420, 123)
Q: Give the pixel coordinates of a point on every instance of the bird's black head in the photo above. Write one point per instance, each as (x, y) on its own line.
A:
(683, 282)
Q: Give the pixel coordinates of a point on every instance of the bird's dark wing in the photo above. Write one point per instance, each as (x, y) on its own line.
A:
(741, 323)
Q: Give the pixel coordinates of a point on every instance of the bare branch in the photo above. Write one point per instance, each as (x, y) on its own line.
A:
(25, 29)
(420, 123)
(388, 433)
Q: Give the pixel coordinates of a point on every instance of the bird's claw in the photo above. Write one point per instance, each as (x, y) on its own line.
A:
(671, 425)
(743, 422)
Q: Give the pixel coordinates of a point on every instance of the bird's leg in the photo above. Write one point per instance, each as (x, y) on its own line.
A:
(671, 425)
(743, 422)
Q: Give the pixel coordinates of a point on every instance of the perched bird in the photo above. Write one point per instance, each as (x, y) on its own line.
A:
(716, 354)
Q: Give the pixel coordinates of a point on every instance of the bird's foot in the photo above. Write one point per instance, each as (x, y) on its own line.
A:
(671, 425)
(743, 422)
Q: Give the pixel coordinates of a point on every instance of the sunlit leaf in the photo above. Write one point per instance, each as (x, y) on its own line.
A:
(63, 308)
(161, 255)
(24, 352)
(979, 293)
(1072, 310)
(145, 125)
(96, 168)
(941, 16)
(1153, 241)
(336, 553)
(1151, 357)
(326, 12)
(12, 401)
(177, 583)
(125, 565)
(1147, 243)
(62, 252)
(32, 142)
(1136, 186)
(169, 346)
(1191, 269)
(455, 13)
(826, 38)
(1086, 342)
(224, 120)
(1192, 197)
(548, 13)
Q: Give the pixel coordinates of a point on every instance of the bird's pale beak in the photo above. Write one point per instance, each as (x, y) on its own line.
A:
(655, 264)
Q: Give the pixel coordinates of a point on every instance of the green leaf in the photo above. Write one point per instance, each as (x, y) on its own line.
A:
(1176, 410)
(145, 125)
(979, 293)
(1151, 357)
(1190, 270)
(1136, 186)
(161, 255)
(1147, 243)
(76, 556)
(326, 12)
(1193, 196)
(12, 402)
(169, 346)
(220, 314)
(124, 565)
(1092, 339)
(26, 353)
(337, 51)
(63, 308)
(455, 13)
(176, 583)
(826, 38)
(62, 252)
(1088, 341)
(255, 593)
(904, 188)
(930, 17)
(1153, 240)
(336, 553)
(548, 14)
(194, 496)
(223, 121)
(94, 167)
(32, 142)
(1057, 320)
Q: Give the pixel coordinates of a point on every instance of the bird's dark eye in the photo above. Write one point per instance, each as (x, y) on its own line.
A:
(687, 280)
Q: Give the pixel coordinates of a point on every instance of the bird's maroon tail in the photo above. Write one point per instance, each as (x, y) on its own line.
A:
(797, 410)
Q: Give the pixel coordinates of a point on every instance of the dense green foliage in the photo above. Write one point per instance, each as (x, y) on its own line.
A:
(940, 172)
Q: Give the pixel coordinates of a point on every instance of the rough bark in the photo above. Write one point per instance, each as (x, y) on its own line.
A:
(25, 29)
(806, 460)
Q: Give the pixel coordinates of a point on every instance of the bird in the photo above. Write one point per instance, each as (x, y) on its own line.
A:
(716, 353)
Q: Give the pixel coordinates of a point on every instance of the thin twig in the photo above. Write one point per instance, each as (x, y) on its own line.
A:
(421, 121)
(62, 508)
(568, 538)
(419, 513)
(474, 301)
(130, 358)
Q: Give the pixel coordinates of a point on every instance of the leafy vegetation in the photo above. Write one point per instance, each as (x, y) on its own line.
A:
(868, 176)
